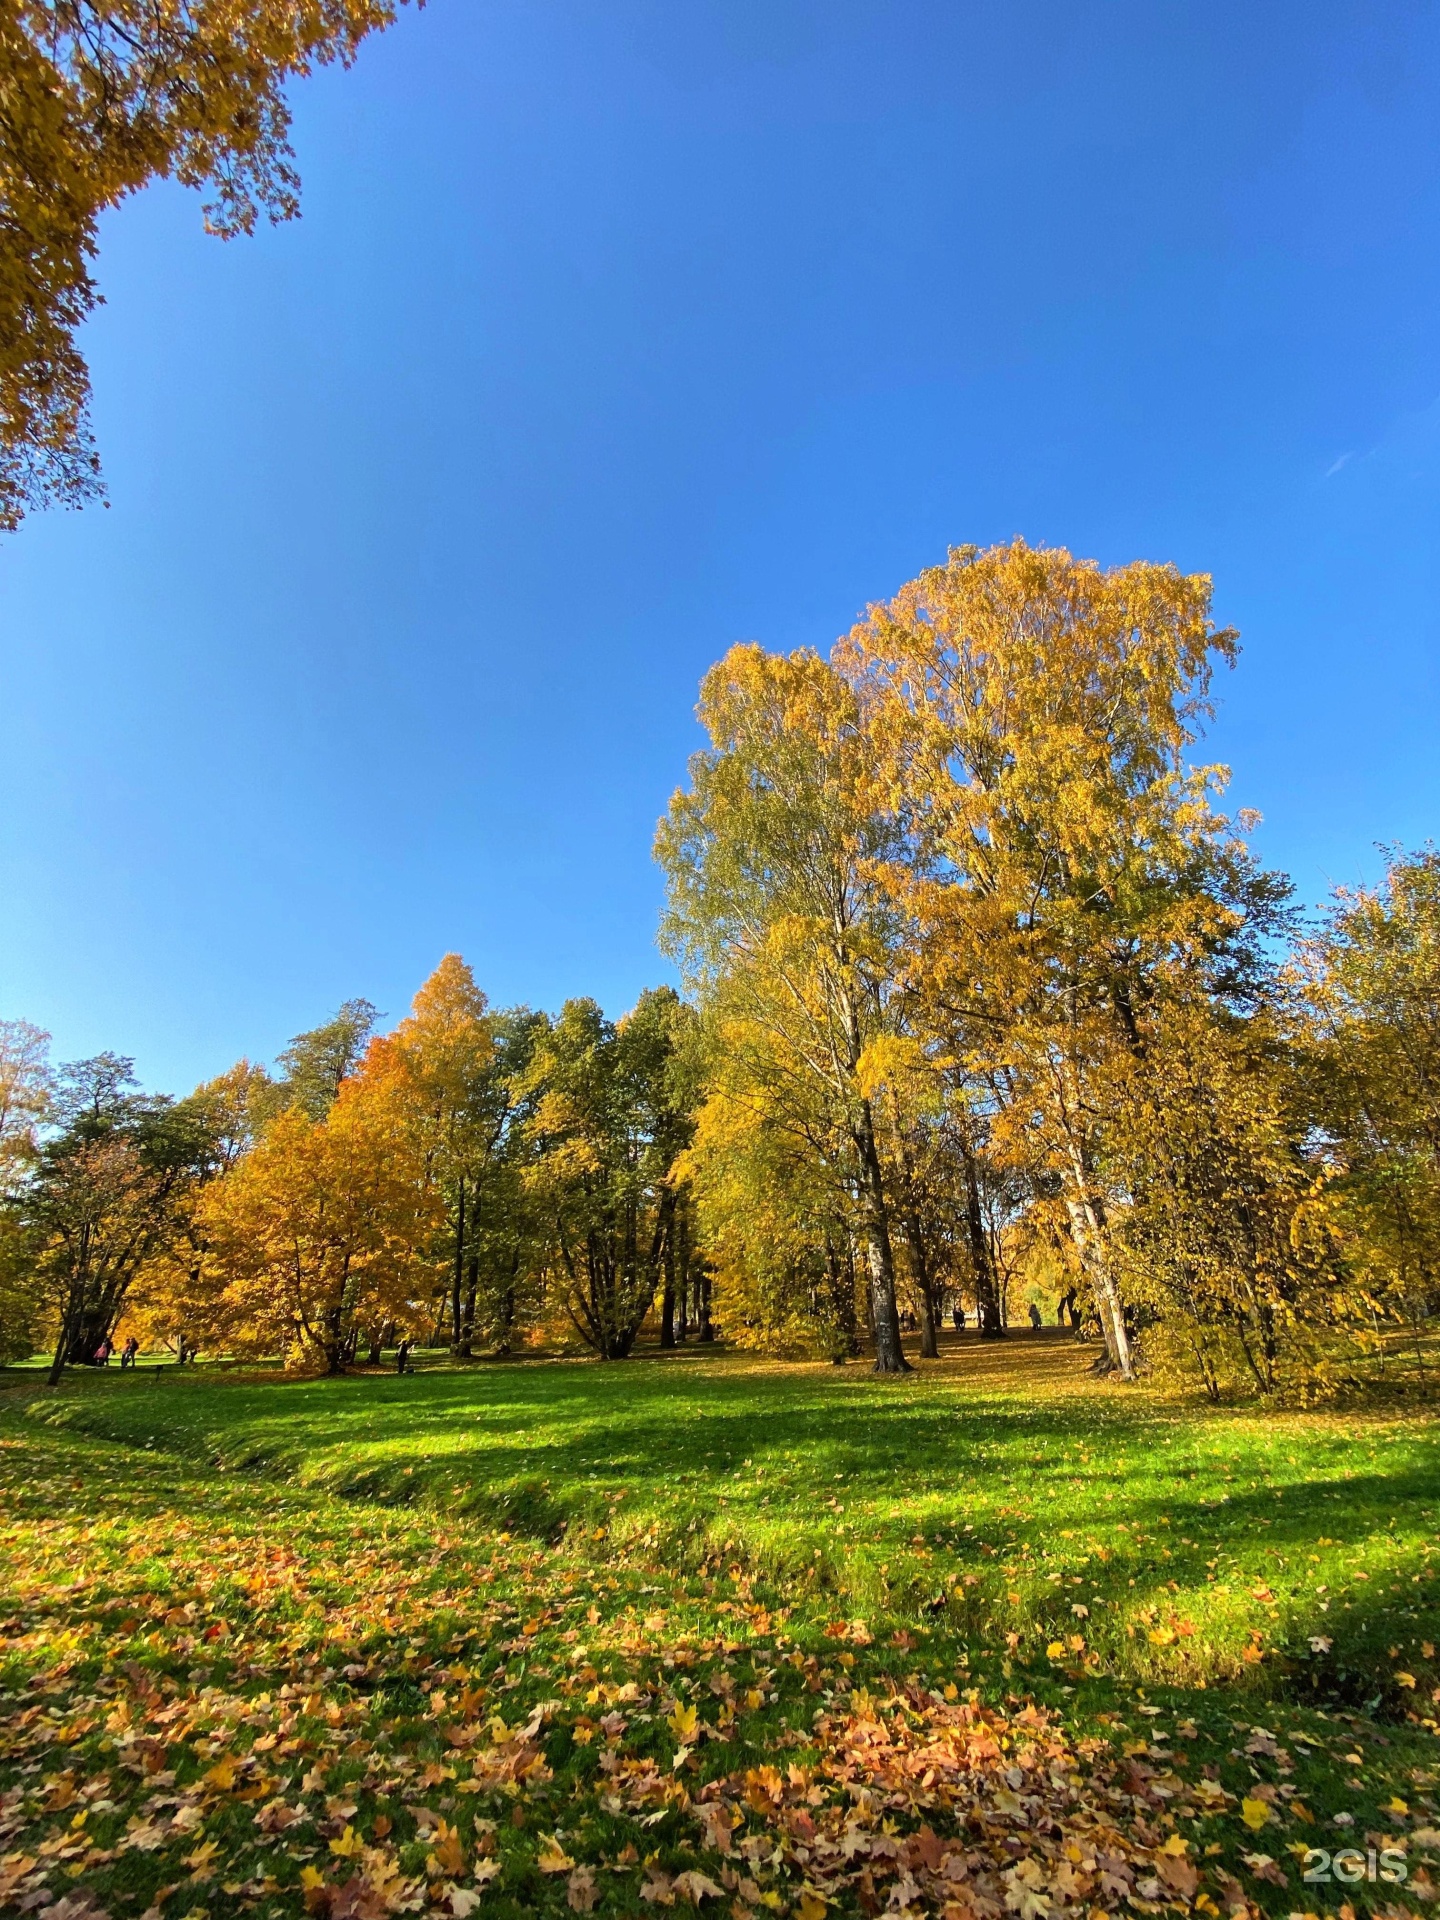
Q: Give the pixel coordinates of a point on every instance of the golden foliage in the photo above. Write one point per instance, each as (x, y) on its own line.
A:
(101, 97)
(320, 1227)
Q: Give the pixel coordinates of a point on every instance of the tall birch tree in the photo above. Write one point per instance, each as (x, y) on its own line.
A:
(777, 921)
(1032, 718)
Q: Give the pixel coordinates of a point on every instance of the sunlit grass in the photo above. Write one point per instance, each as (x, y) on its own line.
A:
(1000, 1492)
(356, 1555)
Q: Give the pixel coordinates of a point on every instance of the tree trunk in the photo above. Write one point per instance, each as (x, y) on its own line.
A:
(682, 1267)
(842, 1297)
(1087, 1228)
(929, 1338)
(667, 1299)
(505, 1330)
(889, 1353)
(57, 1365)
(987, 1294)
(87, 1328)
(702, 1292)
(456, 1304)
(472, 1295)
(925, 1288)
(1086, 1213)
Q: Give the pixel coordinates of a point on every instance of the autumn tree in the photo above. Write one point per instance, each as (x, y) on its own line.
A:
(1369, 977)
(171, 1299)
(938, 1200)
(1218, 1243)
(320, 1229)
(777, 921)
(101, 1198)
(778, 1216)
(97, 98)
(26, 1091)
(440, 1065)
(1031, 717)
(609, 1124)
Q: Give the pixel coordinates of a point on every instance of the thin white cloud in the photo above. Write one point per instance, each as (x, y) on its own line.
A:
(1336, 465)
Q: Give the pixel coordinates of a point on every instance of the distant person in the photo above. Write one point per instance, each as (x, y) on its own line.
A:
(1035, 1319)
(402, 1358)
(102, 1354)
(128, 1352)
(958, 1317)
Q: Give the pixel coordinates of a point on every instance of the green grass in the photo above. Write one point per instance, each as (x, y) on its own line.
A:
(999, 1522)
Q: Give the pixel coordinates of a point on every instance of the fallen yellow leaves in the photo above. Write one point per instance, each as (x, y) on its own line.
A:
(919, 1804)
(552, 1857)
(389, 1758)
(447, 1854)
(683, 1722)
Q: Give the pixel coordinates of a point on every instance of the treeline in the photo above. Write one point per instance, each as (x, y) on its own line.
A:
(984, 993)
(472, 1177)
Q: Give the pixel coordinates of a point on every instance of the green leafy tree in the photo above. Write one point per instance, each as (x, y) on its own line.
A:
(1370, 979)
(316, 1064)
(609, 1124)
(505, 1267)
(775, 917)
(102, 1197)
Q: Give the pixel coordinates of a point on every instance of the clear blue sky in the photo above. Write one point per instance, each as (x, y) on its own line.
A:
(619, 330)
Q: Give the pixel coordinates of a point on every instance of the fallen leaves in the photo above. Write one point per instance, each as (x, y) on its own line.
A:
(400, 1717)
(682, 1722)
(552, 1857)
(921, 1804)
(580, 1890)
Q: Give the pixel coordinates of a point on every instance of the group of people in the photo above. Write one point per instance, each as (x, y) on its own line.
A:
(1066, 1312)
(107, 1351)
(127, 1353)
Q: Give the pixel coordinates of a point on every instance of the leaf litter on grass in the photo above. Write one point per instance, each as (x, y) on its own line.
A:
(222, 1698)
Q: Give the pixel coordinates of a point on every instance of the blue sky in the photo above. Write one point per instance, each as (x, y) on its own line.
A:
(616, 331)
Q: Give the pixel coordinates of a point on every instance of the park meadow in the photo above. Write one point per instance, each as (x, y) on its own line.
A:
(930, 1413)
(716, 1631)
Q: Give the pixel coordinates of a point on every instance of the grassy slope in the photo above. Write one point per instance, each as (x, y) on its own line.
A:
(983, 1518)
(1005, 1468)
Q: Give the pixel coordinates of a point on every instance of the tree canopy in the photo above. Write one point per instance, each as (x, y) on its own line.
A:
(98, 98)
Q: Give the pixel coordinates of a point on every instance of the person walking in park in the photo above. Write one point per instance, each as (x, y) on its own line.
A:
(1035, 1320)
(402, 1358)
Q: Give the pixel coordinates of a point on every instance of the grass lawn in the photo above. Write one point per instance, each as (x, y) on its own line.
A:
(702, 1630)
